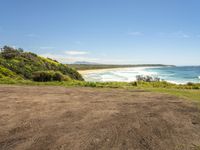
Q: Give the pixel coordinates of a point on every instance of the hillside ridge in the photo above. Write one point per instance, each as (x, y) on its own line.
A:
(16, 63)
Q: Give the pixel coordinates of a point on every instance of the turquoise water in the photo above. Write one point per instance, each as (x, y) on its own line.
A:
(179, 75)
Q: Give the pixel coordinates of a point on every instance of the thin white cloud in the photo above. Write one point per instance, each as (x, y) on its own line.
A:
(181, 34)
(136, 33)
(178, 34)
(64, 58)
(75, 52)
(69, 59)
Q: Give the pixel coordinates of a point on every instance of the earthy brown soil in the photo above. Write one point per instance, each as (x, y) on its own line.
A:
(58, 118)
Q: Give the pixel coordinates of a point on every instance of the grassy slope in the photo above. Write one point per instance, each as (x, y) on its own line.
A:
(23, 64)
(5, 72)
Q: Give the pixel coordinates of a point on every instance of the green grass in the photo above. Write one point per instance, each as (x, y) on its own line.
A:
(183, 91)
(6, 72)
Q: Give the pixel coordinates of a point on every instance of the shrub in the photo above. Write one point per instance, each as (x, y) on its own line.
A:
(45, 76)
(42, 76)
(195, 87)
(58, 76)
(9, 52)
(190, 84)
(72, 73)
(134, 83)
(147, 78)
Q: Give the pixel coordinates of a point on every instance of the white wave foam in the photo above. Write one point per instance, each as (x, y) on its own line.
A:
(129, 75)
(121, 75)
(126, 75)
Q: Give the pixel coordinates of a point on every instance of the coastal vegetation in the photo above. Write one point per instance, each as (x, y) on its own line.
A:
(44, 76)
(17, 64)
(136, 84)
(147, 78)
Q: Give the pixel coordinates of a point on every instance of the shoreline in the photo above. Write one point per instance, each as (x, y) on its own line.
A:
(83, 72)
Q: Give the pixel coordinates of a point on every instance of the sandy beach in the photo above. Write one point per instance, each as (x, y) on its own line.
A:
(99, 70)
(83, 72)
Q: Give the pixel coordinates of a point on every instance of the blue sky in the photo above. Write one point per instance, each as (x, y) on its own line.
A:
(105, 31)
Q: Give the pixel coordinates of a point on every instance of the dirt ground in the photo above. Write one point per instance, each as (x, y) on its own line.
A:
(58, 118)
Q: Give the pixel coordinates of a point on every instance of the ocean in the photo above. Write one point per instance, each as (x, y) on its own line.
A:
(178, 75)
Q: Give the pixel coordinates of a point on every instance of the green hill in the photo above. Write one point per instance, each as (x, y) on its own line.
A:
(15, 63)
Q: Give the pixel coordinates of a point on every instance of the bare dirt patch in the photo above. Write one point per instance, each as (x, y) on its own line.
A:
(41, 118)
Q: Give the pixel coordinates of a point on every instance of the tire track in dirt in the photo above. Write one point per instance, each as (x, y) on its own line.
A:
(61, 118)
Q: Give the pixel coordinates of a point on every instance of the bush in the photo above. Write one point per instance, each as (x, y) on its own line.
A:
(195, 87)
(42, 76)
(9, 52)
(58, 76)
(134, 83)
(45, 76)
(147, 78)
(190, 84)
